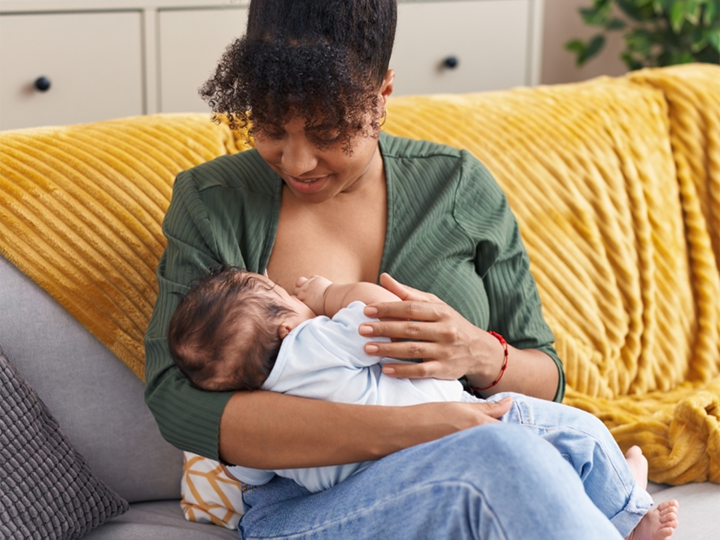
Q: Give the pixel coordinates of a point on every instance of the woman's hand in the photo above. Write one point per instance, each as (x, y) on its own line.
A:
(462, 416)
(450, 346)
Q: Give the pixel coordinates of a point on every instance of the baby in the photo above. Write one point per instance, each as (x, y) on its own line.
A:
(237, 330)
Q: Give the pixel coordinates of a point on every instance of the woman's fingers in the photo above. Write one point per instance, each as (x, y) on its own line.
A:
(417, 330)
(426, 350)
(405, 292)
(419, 370)
(406, 310)
(497, 408)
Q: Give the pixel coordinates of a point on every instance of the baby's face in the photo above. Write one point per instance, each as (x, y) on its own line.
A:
(301, 312)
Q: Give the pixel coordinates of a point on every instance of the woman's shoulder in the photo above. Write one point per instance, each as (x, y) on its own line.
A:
(404, 148)
(244, 170)
(427, 155)
(419, 164)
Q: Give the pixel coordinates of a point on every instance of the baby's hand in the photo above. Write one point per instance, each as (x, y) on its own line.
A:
(312, 292)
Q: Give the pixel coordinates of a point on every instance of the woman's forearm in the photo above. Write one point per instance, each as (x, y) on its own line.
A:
(268, 430)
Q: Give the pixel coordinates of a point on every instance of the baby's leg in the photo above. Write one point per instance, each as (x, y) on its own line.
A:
(588, 446)
(660, 522)
(638, 464)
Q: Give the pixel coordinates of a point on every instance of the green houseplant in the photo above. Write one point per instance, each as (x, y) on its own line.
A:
(657, 32)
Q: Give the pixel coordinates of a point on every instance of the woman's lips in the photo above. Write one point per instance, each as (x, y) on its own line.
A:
(307, 185)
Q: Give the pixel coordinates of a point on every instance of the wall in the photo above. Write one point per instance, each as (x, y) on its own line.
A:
(562, 23)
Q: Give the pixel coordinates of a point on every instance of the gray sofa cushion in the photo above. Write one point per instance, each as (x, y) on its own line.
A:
(160, 520)
(46, 488)
(95, 398)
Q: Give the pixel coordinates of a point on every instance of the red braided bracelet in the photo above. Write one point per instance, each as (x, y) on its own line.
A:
(502, 369)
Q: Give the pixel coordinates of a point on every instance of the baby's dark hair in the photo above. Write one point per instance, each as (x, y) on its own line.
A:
(224, 334)
(321, 60)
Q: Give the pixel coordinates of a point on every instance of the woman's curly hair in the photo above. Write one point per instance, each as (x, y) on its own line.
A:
(321, 60)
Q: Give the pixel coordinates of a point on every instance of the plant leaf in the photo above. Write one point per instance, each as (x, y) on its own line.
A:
(677, 16)
(680, 57)
(615, 24)
(692, 11)
(714, 39)
(575, 45)
(639, 41)
(593, 48)
(595, 16)
(699, 40)
(662, 6)
(711, 12)
(638, 10)
(630, 62)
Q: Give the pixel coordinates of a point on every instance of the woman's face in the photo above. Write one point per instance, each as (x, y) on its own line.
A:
(315, 175)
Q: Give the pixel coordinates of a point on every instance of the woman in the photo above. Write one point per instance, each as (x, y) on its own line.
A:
(324, 193)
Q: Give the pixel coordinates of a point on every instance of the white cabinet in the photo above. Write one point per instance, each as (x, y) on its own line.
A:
(92, 61)
(115, 58)
(191, 41)
(446, 47)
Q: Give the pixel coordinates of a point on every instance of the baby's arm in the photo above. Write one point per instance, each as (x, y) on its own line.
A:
(327, 298)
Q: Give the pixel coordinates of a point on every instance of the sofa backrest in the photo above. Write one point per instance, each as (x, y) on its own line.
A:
(97, 401)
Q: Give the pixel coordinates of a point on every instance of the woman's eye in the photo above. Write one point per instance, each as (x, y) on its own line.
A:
(325, 138)
(270, 134)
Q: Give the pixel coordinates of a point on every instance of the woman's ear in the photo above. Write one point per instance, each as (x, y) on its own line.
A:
(386, 88)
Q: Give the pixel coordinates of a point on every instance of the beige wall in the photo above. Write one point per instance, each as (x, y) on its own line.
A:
(563, 22)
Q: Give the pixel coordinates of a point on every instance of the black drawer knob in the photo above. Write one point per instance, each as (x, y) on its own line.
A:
(451, 62)
(43, 84)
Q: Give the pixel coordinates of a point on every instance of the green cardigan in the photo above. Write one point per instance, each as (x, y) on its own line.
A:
(449, 232)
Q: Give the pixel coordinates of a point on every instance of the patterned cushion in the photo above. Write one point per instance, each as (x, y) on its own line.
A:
(208, 494)
(46, 488)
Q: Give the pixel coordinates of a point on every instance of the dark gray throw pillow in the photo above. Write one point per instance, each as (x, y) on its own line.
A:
(46, 488)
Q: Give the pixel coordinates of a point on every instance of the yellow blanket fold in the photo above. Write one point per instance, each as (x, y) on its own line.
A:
(615, 184)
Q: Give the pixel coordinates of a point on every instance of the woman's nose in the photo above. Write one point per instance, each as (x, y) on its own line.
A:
(298, 157)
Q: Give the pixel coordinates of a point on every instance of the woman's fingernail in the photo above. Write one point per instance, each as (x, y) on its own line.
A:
(387, 370)
(370, 311)
(365, 329)
(370, 349)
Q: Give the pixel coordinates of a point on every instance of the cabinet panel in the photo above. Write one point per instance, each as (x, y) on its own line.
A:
(92, 60)
(488, 39)
(191, 43)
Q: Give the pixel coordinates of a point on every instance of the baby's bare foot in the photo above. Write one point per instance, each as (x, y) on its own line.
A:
(658, 524)
(638, 465)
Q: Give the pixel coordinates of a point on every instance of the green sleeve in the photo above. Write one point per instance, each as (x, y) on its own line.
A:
(501, 260)
(188, 418)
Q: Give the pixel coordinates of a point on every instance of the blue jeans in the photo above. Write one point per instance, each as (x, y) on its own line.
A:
(496, 481)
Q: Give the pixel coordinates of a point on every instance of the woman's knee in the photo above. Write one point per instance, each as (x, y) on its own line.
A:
(487, 453)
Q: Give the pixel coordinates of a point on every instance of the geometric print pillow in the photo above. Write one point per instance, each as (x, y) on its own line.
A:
(47, 489)
(208, 494)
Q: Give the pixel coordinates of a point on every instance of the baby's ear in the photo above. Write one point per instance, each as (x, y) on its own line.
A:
(283, 330)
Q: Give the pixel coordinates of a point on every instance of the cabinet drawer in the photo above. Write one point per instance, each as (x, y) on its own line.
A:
(191, 43)
(93, 62)
(487, 38)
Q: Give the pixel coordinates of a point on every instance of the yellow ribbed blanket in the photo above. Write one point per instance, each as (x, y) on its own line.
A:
(615, 183)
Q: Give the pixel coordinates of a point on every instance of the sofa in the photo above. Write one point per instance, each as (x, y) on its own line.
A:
(614, 184)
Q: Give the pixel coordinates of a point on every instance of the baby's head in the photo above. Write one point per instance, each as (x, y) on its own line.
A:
(226, 331)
